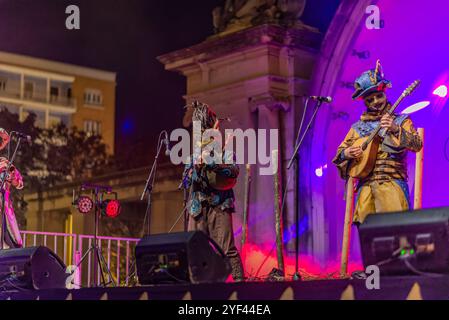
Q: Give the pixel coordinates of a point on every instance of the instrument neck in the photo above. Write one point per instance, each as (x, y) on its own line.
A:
(375, 132)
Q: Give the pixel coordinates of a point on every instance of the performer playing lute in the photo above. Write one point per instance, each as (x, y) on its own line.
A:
(211, 202)
(12, 234)
(385, 188)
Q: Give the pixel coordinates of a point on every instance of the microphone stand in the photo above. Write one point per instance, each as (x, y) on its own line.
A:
(4, 178)
(187, 194)
(149, 187)
(186, 214)
(295, 160)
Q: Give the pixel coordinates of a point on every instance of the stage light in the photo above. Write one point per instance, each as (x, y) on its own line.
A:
(441, 91)
(84, 204)
(416, 107)
(110, 208)
(320, 171)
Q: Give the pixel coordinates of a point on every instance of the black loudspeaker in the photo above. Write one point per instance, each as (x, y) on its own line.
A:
(407, 242)
(32, 268)
(180, 257)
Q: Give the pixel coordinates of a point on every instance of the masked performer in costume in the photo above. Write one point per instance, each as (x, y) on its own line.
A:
(12, 234)
(210, 209)
(385, 189)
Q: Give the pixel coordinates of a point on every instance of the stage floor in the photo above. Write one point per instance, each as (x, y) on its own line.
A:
(391, 288)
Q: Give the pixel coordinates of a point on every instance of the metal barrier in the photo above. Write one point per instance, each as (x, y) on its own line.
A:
(117, 253)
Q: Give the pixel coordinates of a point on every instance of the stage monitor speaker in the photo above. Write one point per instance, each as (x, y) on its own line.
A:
(189, 257)
(407, 242)
(32, 268)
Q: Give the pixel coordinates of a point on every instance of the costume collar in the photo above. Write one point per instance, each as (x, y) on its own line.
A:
(370, 115)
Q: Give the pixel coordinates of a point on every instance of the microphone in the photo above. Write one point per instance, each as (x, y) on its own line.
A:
(23, 136)
(167, 144)
(321, 99)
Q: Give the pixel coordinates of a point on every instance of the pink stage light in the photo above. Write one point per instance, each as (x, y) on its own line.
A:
(320, 171)
(441, 91)
(416, 107)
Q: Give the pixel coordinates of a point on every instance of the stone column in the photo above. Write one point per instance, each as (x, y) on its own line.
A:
(261, 226)
(256, 77)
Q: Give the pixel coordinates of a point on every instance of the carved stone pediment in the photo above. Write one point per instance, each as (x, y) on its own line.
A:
(236, 15)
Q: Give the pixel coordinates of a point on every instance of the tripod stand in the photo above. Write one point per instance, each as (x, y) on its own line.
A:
(99, 261)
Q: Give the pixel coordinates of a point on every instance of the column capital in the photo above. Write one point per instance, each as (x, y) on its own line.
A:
(270, 101)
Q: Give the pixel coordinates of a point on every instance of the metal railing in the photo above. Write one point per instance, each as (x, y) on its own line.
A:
(39, 97)
(117, 253)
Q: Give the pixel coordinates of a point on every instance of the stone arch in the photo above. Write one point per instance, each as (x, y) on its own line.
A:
(338, 41)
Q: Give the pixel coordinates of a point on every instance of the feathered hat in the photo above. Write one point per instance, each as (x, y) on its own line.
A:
(198, 111)
(370, 81)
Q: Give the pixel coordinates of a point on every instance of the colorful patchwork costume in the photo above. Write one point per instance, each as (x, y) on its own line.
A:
(210, 210)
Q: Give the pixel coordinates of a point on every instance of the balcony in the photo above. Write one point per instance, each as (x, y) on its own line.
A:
(35, 91)
(58, 101)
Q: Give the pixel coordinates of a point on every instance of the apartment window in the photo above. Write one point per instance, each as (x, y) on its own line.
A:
(93, 97)
(3, 84)
(54, 93)
(57, 118)
(92, 127)
(28, 89)
(53, 120)
(40, 116)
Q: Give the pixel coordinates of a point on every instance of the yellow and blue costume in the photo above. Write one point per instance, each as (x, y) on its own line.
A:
(385, 189)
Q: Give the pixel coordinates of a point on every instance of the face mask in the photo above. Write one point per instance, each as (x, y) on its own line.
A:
(376, 101)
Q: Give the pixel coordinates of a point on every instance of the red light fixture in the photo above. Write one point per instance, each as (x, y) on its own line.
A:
(110, 208)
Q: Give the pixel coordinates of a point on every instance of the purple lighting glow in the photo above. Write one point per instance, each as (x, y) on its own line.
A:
(441, 91)
(407, 63)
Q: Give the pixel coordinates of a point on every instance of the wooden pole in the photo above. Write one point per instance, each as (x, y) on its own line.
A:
(277, 209)
(347, 227)
(417, 203)
(246, 209)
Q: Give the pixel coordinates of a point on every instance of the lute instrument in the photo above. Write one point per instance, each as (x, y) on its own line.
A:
(361, 167)
(215, 179)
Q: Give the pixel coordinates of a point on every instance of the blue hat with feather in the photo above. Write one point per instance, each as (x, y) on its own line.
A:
(370, 81)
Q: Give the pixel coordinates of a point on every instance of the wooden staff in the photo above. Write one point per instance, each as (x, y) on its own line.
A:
(277, 209)
(419, 174)
(246, 205)
(347, 227)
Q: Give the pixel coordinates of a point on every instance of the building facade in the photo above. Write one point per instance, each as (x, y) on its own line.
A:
(59, 92)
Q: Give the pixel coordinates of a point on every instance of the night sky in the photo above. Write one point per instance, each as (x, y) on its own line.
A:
(125, 36)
